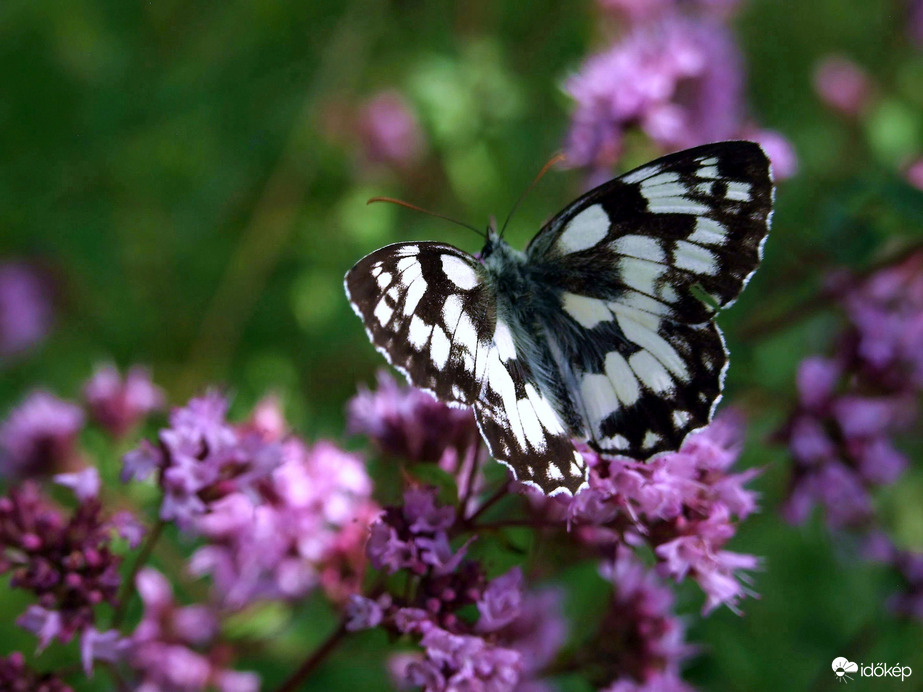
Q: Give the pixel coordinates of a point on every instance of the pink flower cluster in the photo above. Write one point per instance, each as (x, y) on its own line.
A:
(303, 526)
(202, 458)
(852, 405)
(684, 505)
(515, 635)
(677, 76)
(65, 561)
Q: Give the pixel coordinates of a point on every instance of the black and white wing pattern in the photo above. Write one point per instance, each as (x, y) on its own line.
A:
(639, 266)
(428, 310)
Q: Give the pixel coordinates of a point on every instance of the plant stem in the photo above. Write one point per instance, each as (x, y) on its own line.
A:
(140, 561)
(488, 503)
(314, 660)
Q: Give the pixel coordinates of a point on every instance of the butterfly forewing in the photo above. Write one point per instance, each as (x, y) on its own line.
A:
(521, 425)
(690, 221)
(425, 307)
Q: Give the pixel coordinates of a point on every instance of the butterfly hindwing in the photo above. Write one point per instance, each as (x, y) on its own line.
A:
(425, 307)
(521, 426)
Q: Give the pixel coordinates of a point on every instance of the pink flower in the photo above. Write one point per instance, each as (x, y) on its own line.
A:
(39, 436)
(390, 131)
(680, 79)
(842, 84)
(25, 309)
(118, 405)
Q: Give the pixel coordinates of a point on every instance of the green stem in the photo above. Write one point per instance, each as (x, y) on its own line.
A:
(314, 659)
(140, 561)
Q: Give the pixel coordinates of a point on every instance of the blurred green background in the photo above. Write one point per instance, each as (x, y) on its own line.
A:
(188, 175)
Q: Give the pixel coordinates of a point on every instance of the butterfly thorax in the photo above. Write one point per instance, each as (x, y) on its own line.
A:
(524, 303)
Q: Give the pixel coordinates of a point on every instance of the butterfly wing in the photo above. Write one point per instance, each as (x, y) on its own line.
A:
(521, 426)
(427, 310)
(640, 265)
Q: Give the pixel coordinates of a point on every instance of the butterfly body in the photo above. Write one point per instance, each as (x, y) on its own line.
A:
(601, 330)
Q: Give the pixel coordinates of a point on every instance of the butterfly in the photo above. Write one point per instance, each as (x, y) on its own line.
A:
(601, 331)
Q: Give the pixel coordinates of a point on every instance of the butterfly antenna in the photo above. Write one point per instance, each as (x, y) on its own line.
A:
(402, 203)
(554, 159)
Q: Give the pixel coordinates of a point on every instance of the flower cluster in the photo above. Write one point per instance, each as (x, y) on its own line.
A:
(843, 85)
(851, 405)
(515, 635)
(25, 309)
(16, 676)
(305, 525)
(203, 458)
(39, 437)
(171, 649)
(119, 405)
(66, 562)
(676, 76)
(683, 505)
(642, 10)
(641, 643)
(389, 130)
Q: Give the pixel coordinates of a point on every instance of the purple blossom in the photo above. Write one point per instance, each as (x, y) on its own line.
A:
(107, 646)
(39, 436)
(414, 536)
(914, 171)
(85, 483)
(118, 405)
(915, 22)
(303, 526)
(842, 84)
(66, 563)
(640, 639)
(202, 458)
(909, 566)
(173, 647)
(363, 613)
(458, 661)
(16, 676)
(683, 504)
(680, 79)
(389, 130)
(501, 601)
(409, 423)
(25, 309)
(851, 406)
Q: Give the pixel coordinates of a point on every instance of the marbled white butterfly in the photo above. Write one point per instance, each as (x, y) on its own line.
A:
(600, 331)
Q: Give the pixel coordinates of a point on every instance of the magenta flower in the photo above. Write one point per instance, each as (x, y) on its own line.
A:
(680, 79)
(66, 563)
(684, 505)
(173, 647)
(118, 405)
(39, 436)
(390, 131)
(25, 309)
(915, 22)
(914, 171)
(202, 458)
(406, 422)
(640, 640)
(842, 84)
(302, 527)
(16, 676)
